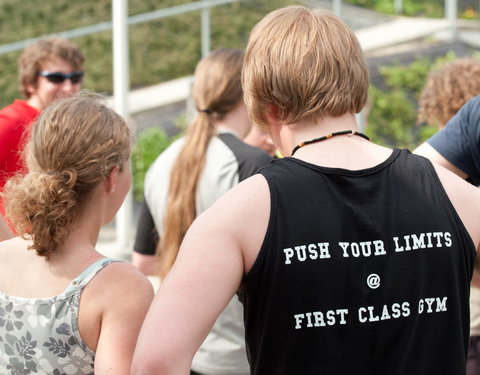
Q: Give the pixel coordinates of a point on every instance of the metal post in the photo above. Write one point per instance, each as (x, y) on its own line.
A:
(337, 7)
(451, 14)
(205, 31)
(121, 87)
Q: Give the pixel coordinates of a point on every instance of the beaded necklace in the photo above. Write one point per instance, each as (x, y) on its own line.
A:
(316, 140)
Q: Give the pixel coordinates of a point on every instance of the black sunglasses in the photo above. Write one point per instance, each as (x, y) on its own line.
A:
(58, 77)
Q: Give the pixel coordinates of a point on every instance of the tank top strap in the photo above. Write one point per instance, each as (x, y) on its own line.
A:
(89, 273)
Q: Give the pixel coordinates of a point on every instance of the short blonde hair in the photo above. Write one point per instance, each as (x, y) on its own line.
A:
(307, 63)
(447, 89)
(75, 143)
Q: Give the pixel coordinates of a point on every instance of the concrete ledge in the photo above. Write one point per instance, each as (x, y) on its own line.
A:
(400, 30)
(165, 93)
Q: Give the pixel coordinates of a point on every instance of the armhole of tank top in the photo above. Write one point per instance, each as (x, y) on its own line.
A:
(271, 224)
(83, 279)
(453, 211)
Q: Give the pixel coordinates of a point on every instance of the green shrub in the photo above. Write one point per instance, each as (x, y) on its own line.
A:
(426, 8)
(392, 111)
(412, 77)
(150, 143)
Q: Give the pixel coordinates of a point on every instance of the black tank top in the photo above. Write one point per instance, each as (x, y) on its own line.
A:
(360, 272)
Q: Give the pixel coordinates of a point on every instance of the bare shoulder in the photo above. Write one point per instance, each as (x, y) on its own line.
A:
(117, 283)
(240, 203)
(252, 191)
(13, 254)
(124, 273)
(429, 152)
(243, 209)
(14, 251)
(465, 198)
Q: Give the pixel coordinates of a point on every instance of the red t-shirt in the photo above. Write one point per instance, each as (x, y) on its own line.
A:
(15, 121)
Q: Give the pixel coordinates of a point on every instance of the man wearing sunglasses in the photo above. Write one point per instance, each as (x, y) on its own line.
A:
(48, 69)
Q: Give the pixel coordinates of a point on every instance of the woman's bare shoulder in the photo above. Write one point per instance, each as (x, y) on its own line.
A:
(122, 278)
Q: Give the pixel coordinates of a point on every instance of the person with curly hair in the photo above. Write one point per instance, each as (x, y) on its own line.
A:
(447, 89)
(64, 307)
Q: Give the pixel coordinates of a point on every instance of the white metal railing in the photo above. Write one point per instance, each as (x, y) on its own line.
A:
(204, 6)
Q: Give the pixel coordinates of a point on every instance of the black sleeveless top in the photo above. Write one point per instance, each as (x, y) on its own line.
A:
(360, 272)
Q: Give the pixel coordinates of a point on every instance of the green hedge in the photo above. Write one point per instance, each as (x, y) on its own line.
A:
(423, 8)
(159, 50)
(392, 110)
(150, 143)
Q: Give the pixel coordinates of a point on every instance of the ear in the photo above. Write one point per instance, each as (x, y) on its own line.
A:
(112, 178)
(271, 115)
(31, 88)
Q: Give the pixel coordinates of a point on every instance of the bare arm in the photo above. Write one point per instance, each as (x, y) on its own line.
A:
(213, 258)
(430, 153)
(148, 264)
(466, 200)
(124, 298)
(146, 240)
(458, 194)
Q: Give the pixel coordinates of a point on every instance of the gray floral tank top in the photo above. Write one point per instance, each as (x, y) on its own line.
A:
(40, 336)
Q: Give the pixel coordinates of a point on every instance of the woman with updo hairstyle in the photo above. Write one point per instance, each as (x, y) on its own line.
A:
(188, 177)
(64, 307)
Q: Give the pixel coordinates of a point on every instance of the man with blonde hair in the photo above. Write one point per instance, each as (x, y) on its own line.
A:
(349, 257)
(49, 68)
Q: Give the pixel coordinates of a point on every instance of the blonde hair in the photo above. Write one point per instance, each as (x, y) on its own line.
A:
(74, 144)
(447, 90)
(35, 55)
(306, 63)
(216, 91)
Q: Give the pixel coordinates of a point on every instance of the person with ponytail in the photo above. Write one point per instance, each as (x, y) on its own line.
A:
(189, 176)
(64, 307)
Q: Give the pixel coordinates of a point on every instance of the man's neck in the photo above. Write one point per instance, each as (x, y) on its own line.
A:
(35, 102)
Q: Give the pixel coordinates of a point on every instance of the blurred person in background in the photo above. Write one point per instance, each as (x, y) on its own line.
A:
(187, 178)
(48, 69)
(447, 89)
(257, 138)
(64, 307)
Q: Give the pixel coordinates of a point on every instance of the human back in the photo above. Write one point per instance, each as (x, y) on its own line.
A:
(341, 279)
(62, 300)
